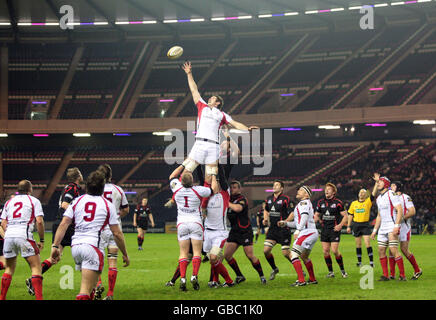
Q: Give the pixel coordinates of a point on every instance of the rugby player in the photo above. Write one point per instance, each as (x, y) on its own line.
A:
(114, 194)
(71, 191)
(276, 209)
(305, 235)
(241, 233)
(405, 229)
(390, 214)
(91, 213)
(140, 220)
(2, 238)
(259, 219)
(189, 222)
(333, 216)
(18, 218)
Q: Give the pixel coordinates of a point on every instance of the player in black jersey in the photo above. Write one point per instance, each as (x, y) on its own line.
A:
(241, 233)
(70, 192)
(140, 220)
(259, 221)
(333, 216)
(276, 209)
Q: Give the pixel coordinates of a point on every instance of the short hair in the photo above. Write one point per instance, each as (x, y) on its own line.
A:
(95, 183)
(187, 180)
(106, 170)
(24, 186)
(281, 183)
(236, 182)
(73, 174)
(221, 101)
(329, 184)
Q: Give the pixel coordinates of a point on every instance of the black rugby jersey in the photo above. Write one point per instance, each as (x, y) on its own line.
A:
(278, 209)
(239, 220)
(330, 211)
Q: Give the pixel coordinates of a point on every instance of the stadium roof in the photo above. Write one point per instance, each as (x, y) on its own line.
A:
(24, 20)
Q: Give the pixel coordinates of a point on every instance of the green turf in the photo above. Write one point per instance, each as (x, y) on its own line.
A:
(151, 268)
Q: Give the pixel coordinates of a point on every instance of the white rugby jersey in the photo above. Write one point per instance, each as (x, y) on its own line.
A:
(188, 201)
(209, 121)
(406, 203)
(304, 206)
(116, 195)
(217, 206)
(20, 212)
(90, 214)
(386, 203)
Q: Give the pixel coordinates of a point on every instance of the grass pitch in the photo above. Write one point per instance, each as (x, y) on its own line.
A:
(151, 268)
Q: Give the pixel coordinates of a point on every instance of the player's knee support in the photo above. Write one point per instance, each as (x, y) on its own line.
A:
(112, 255)
(190, 165)
(217, 251)
(268, 244)
(285, 248)
(211, 170)
(295, 253)
(393, 243)
(383, 244)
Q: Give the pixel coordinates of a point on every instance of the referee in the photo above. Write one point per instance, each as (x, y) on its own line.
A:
(358, 223)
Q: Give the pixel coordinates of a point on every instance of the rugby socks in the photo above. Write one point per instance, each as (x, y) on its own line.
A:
(359, 255)
(328, 261)
(183, 263)
(45, 265)
(196, 261)
(222, 270)
(37, 286)
(257, 236)
(412, 260)
(340, 262)
(384, 265)
(2, 266)
(216, 275)
(92, 295)
(83, 297)
(99, 281)
(212, 269)
(235, 267)
(309, 267)
(298, 268)
(176, 274)
(257, 266)
(399, 262)
(392, 265)
(140, 241)
(112, 278)
(370, 256)
(271, 262)
(6, 282)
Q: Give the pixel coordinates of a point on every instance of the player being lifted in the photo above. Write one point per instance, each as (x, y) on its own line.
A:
(305, 235)
(333, 216)
(71, 191)
(189, 222)
(140, 220)
(390, 214)
(18, 219)
(405, 229)
(91, 213)
(210, 119)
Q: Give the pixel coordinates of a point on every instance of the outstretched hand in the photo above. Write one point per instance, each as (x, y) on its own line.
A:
(187, 67)
(376, 177)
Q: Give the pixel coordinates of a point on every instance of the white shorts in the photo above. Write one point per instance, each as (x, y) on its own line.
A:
(190, 230)
(306, 239)
(405, 232)
(88, 257)
(383, 233)
(14, 246)
(205, 152)
(107, 239)
(214, 239)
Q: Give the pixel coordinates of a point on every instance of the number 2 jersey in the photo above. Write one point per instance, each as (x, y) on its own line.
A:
(21, 212)
(91, 214)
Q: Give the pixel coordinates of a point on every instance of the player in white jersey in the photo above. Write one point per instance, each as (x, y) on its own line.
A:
(18, 218)
(210, 119)
(305, 235)
(117, 197)
(406, 229)
(91, 213)
(387, 224)
(189, 221)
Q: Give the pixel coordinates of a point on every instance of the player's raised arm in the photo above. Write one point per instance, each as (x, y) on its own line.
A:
(192, 85)
(241, 126)
(177, 172)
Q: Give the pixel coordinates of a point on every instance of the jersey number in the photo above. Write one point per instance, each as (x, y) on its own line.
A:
(90, 208)
(186, 202)
(107, 195)
(16, 214)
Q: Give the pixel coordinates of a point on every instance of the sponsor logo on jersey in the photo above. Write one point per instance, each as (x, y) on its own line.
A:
(322, 206)
(361, 210)
(303, 203)
(333, 205)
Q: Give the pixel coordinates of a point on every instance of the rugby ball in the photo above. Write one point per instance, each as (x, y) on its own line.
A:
(175, 52)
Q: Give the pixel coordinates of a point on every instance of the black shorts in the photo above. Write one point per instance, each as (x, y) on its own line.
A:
(330, 235)
(361, 229)
(241, 237)
(143, 224)
(2, 241)
(66, 241)
(280, 235)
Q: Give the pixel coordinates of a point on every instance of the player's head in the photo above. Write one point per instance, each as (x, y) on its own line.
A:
(95, 183)
(330, 190)
(304, 192)
(235, 187)
(363, 194)
(107, 171)
(74, 175)
(187, 180)
(383, 183)
(216, 101)
(144, 201)
(278, 186)
(397, 187)
(24, 187)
